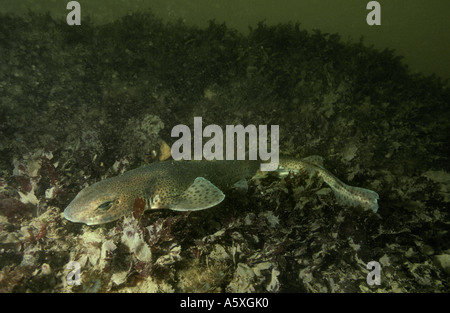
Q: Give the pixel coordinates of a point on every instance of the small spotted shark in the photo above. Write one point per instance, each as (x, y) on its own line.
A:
(191, 186)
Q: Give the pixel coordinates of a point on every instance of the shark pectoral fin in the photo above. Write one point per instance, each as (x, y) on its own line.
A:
(202, 194)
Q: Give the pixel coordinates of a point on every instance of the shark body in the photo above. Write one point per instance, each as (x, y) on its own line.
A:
(190, 186)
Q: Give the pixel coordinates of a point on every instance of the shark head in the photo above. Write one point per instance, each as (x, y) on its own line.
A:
(96, 204)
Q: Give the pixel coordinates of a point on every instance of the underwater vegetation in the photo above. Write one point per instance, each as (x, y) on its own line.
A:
(78, 105)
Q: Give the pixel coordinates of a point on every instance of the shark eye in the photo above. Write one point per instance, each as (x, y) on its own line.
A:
(105, 205)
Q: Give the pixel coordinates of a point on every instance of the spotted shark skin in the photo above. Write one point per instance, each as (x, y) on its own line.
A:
(190, 186)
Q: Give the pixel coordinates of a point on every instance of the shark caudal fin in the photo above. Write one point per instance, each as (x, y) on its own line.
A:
(202, 194)
(356, 196)
(346, 195)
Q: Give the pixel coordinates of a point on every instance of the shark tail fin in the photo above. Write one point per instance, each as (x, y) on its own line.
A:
(346, 195)
(356, 196)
